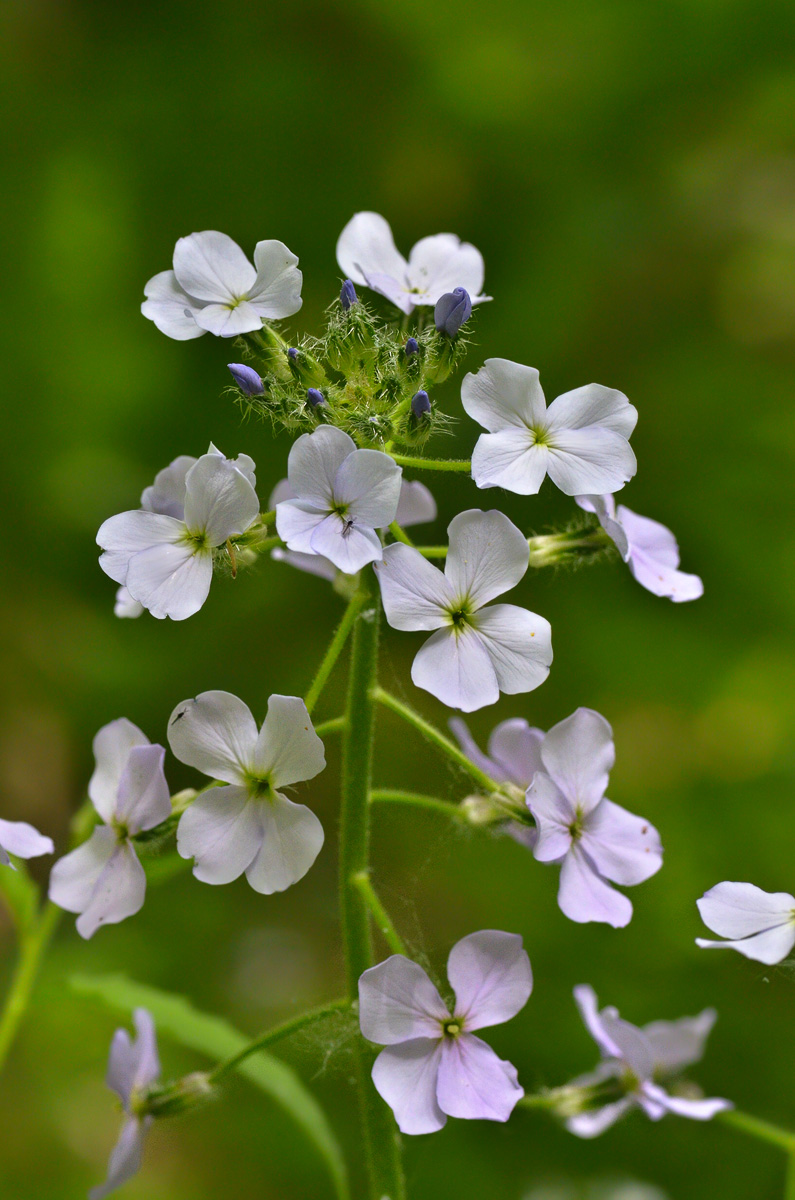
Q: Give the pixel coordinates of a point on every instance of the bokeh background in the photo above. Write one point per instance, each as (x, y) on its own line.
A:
(628, 171)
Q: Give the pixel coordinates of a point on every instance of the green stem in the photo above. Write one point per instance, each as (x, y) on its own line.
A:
(416, 800)
(335, 725)
(361, 881)
(399, 534)
(434, 551)
(335, 649)
(763, 1131)
(31, 952)
(302, 1021)
(433, 464)
(380, 1140)
(435, 736)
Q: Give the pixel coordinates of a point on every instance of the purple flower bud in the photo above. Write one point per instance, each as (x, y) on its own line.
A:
(314, 398)
(348, 295)
(452, 310)
(412, 346)
(246, 379)
(292, 353)
(420, 405)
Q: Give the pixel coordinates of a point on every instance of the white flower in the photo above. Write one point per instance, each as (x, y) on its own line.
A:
(761, 925)
(649, 549)
(344, 495)
(103, 879)
(214, 288)
(249, 825)
(581, 439)
(22, 840)
(477, 652)
(366, 254)
(166, 561)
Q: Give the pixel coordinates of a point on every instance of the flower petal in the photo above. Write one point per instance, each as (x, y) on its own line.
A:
(519, 644)
(457, 669)
(112, 746)
(296, 521)
(415, 594)
(769, 947)
(222, 832)
(147, 1068)
(398, 1003)
(662, 581)
(225, 320)
(416, 505)
(474, 1083)
(654, 557)
(590, 1124)
(366, 246)
(578, 753)
(504, 395)
(171, 309)
(125, 1159)
(129, 533)
(593, 405)
(442, 262)
(584, 896)
(167, 493)
(624, 848)
(460, 732)
(488, 555)
(313, 564)
(591, 460)
(215, 733)
(605, 508)
(679, 1044)
(122, 1064)
(313, 463)
(23, 840)
(516, 746)
(219, 500)
(74, 877)
(211, 267)
(276, 292)
(490, 973)
(125, 606)
(368, 481)
(170, 581)
(554, 814)
(736, 910)
(287, 748)
(597, 1023)
(143, 797)
(349, 546)
(405, 1077)
(510, 459)
(118, 891)
(395, 291)
(697, 1110)
(292, 838)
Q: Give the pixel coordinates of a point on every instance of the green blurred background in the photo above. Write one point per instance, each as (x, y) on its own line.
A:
(628, 171)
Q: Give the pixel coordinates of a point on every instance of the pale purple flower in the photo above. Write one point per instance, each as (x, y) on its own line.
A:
(248, 825)
(103, 880)
(513, 757)
(647, 547)
(133, 1068)
(433, 1066)
(213, 288)
(593, 840)
(366, 252)
(641, 1061)
(478, 651)
(761, 925)
(163, 553)
(343, 496)
(452, 310)
(581, 439)
(23, 841)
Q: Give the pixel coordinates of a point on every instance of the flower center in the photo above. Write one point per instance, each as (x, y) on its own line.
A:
(197, 538)
(539, 436)
(577, 826)
(259, 787)
(452, 1028)
(460, 615)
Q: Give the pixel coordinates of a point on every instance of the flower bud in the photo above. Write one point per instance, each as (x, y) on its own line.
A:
(172, 1098)
(314, 398)
(452, 310)
(246, 379)
(411, 347)
(420, 406)
(348, 295)
(292, 354)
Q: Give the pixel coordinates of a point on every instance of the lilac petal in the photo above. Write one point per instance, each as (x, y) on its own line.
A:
(488, 555)
(171, 309)
(662, 581)
(225, 320)
(510, 459)
(349, 546)
(366, 246)
(147, 1069)
(170, 581)
(122, 1065)
(415, 594)
(21, 839)
(144, 799)
(74, 877)
(395, 291)
(593, 405)
(125, 1159)
(457, 669)
(516, 746)
(490, 973)
(222, 832)
(504, 395)
(108, 882)
(128, 533)
(654, 556)
(649, 537)
(282, 491)
(211, 267)
(288, 750)
(624, 848)
(416, 505)
(634, 1047)
(292, 838)
(474, 1083)
(588, 461)
(736, 910)
(296, 522)
(276, 292)
(584, 896)
(519, 644)
(578, 753)
(554, 816)
(368, 481)
(461, 733)
(313, 463)
(679, 1044)
(769, 947)
(167, 493)
(219, 499)
(442, 262)
(598, 1024)
(697, 1110)
(605, 508)
(215, 733)
(398, 1003)
(405, 1077)
(313, 564)
(591, 1124)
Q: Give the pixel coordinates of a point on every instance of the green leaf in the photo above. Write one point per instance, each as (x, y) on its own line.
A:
(20, 894)
(177, 1018)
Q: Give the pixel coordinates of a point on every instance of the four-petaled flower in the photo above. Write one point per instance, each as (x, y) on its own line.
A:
(103, 879)
(214, 288)
(640, 1061)
(162, 555)
(648, 548)
(343, 496)
(591, 838)
(248, 825)
(477, 652)
(433, 1067)
(366, 252)
(133, 1068)
(761, 925)
(21, 839)
(580, 441)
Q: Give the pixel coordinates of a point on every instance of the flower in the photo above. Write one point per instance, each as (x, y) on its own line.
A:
(348, 295)
(514, 756)
(133, 1067)
(314, 398)
(433, 1067)
(579, 440)
(366, 252)
(247, 379)
(640, 1060)
(248, 826)
(648, 547)
(103, 879)
(214, 288)
(477, 652)
(591, 838)
(343, 496)
(22, 840)
(411, 347)
(420, 405)
(164, 555)
(760, 924)
(452, 310)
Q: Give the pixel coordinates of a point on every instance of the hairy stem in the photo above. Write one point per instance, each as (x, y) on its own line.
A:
(335, 649)
(361, 882)
(302, 1021)
(417, 800)
(31, 951)
(335, 725)
(433, 464)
